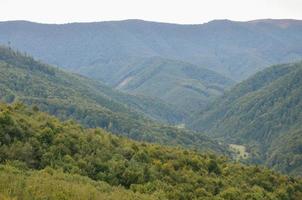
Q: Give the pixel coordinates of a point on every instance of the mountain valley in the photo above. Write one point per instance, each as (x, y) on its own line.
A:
(141, 110)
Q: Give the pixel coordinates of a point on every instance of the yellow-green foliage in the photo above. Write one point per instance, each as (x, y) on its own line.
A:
(51, 184)
(81, 160)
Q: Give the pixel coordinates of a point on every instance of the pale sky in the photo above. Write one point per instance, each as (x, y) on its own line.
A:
(174, 11)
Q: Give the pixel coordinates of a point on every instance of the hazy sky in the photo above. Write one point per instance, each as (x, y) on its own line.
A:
(176, 11)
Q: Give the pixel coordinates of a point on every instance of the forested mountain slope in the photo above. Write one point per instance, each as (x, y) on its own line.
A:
(68, 96)
(228, 47)
(264, 113)
(52, 82)
(43, 158)
(179, 83)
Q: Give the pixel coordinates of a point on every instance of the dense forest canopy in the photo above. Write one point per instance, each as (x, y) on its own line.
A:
(156, 111)
(42, 157)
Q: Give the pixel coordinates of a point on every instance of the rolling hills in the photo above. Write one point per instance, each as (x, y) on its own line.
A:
(44, 158)
(70, 96)
(265, 114)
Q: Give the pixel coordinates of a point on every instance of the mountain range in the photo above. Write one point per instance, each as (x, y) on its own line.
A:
(105, 50)
(235, 49)
(144, 110)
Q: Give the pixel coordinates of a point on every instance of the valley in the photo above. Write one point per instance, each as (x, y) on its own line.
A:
(73, 97)
(206, 58)
(263, 113)
(138, 110)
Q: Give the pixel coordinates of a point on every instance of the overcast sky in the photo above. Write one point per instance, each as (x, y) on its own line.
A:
(175, 11)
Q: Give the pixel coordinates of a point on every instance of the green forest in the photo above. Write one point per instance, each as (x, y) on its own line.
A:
(138, 110)
(43, 158)
(264, 114)
(70, 96)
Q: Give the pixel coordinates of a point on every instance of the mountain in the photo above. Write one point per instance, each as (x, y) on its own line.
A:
(179, 83)
(265, 114)
(114, 51)
(42, 78)
(231, 48)
(43, 158)
(70, 96)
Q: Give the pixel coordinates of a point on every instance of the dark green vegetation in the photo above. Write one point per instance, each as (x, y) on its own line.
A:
(43, 158)
(114, 52)
(69, 96)
(265, 114)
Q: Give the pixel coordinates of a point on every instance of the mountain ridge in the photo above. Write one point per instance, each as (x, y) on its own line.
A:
(162, 22)
(203, 44)
(107, 50)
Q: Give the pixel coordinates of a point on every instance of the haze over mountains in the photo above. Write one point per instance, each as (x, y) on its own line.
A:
(105, 50)
(231, 48)
(222, 89)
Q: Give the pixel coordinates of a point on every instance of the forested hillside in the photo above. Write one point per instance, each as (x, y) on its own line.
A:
(265, 114)
(48, 82)
(43, 158)
(179, 83)
(70, 96)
